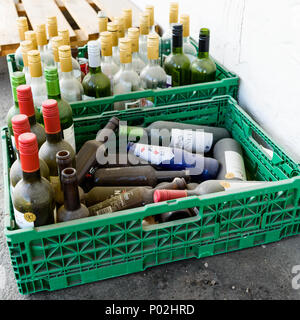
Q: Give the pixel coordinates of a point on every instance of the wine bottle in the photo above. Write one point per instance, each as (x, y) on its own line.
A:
(21, 125)
(167, 36)
(177, 64)
(144, 31)
(31, 36)
(137, 62)
(169, 158)
(46, 55)
(127, 15)
(102, 25)
(72, 208)
(26, 106)
(56, 43)
(65, 110)
(87, 155)
(54, 142)
(203, 68)
(52, 30)
(188, 49)
(71, 89)
(136, 176)
(22, 24)
(230, 156)
(191, 137)
(26, 46)
(33, 198)
(136, 197)
(153, 76)
(95, 84)
(112, 28)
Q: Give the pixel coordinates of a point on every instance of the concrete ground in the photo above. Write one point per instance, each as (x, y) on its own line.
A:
(263, 272)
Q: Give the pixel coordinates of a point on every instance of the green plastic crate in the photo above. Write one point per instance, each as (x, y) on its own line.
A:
(95, 248)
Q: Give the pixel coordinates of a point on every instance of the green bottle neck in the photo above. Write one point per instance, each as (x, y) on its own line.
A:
(53, 89)
(94, 70)
(177, 50)
(202, 55)
(54, 137)
(31, 177)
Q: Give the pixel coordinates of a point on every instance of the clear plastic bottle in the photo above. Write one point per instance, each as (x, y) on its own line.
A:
(112, 28)
(188, 48)
(22, 24)
(26, 46)
(137, 62)
(46, 55)
(144, 31)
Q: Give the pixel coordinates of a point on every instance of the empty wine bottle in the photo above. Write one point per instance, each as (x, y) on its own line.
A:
(72, 208)
(127, 15)
(52, 30)
(188, 48)
(137, 62)
(86, 157)
(230, 156)
(22, 24)
(46, 54)
(144, 31)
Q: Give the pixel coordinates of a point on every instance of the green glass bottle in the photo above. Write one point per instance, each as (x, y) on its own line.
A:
(65, 110)
(177, 64)
(95, 84)
(203, 68)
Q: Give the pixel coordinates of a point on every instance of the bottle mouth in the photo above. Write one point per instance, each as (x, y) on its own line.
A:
(63, 155)
(69, 175)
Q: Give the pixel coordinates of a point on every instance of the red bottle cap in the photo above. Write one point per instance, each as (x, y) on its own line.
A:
(29, 152)
(25, 100)
(163, 195)
(20, 124)
(51, 116)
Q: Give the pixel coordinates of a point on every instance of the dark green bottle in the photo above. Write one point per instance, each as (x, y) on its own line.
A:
(203, 68)
(65, 110)
(177, 64)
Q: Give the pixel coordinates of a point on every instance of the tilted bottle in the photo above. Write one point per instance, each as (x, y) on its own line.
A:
(71, 89)
(177, 64)
(46, 55)
(230, 156)
(127, 15)
(72, 208)
(57, 42)
(188, 48)
(136, 197)
(26, 46)
(87, 155)
(203, 68)
(137, 62)
(33, 198)
(26, 106)
(112, 28)
(65, 110)
(21, 125)
(153, 76)
(22, 24)
(144, 31)
(52, 30)
(95, 84)
(136, 176)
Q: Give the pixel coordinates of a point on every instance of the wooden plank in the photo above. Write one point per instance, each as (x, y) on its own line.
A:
(38, 10)
(9, 34)
(84, 15)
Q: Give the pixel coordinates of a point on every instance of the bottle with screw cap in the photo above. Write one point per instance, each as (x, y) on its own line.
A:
(137, 62)
(150, 10)
(144, 31)
(188, 48)
(22, 24)
(46, 54)
(56, 43)
(112, 28)
(26, 46)
(52, 30)
(31, 35)
(102, 24)
(119, 21)
(127, 15)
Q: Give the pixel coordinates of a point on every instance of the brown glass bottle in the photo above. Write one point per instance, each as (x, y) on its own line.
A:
(136, 176)
(133, 198)
(86, 157)
(72, 208)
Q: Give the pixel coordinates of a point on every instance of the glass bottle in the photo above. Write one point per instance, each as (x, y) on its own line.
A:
(166, 38)
(26, 106)
(144, 31)
(22, 24)
(20, 124)
(71, 89)
(46, 55)
(52, 30)
(188, 48)
(65, 110)
(56, 43)
(26, 46)
(177, 64)
(102, 24)
(153, 76)
(112, 28)
(203, 68)
(33, 198)
(137, 62)
(127, 15)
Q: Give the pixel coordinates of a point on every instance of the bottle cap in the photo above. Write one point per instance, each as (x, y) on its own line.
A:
(51, 116)
(106, 43)
(121, 26)
(29, 152)
(127, 14)
(65, 36)
(17, 79)
(153, 46)
(52, 83)
(173, 14)
(25, 99)
(26, 46)
(150, 10)
(22, 24)
(102, 22)
(185, 20)
(133, 35)
(144, 23)
(31, 35)
(20, 124)
(204, 36)
(94, 54)
(52, 26)
(65, 58)
(34, 63)
(56, 43)
(125, 50)
(177, 29)
(112, 28)
(41, 34)
(163, 195)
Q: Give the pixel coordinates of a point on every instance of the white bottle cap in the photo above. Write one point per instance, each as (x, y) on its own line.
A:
(94, 54)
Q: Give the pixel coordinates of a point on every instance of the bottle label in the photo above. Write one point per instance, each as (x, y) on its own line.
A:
(85, 97)
(196, 141)
(69, 136)
(24, 220)
(169, 81)
(235, 167)
(233, 185)
(94, 60)
(104, 211)
(153, 154)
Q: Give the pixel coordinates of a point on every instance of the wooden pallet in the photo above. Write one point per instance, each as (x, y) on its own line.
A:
(79, 16)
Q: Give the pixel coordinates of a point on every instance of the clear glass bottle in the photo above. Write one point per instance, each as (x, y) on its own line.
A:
(112, 28)
(108, 65)
(46, 55)
(153, 76)
(127, 15)
(52, 30)
(167, 36)
(26, 46)
(56, 43)
(137, 62)
(126, 80)
(71, 89)
(144, 31)
(188, 48)
(22, 24)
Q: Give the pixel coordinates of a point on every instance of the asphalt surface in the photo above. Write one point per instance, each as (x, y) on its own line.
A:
(262, 272)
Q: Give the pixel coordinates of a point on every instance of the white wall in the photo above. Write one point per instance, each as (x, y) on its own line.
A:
(260, 41)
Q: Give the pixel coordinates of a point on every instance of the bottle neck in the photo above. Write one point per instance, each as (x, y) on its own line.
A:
(177, 42)
(54, 137)
(53, 89)
(153, 62)
(127, 66)
(67, 75)
(71, 195)
(164, 176)
(94, 70)
(203, 47)
(107, 59)
(32, 120)
(42, 48)
(32, 176)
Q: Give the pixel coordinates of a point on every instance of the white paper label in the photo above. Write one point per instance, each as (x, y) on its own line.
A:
(191, 140)
(85, 97)
(233, 185)
(21, 222)
(169, 81)
(235, 167)
(69, 136)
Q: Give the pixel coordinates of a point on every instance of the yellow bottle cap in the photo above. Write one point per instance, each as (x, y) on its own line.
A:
(133, 35)
(22, 24)
(31, 35)
(127, 14)
(65, 36)
(41, 35)
(121, 26)
(26, 46)
(150, 10)
(112, 28)
(56, 43)
(34, 63)
(125, 50)
(52, 26)
(65, 58)
(185, 21)
(106, 43)
(102, 22)
(153, 46)
(144, 23)
(173, 15)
